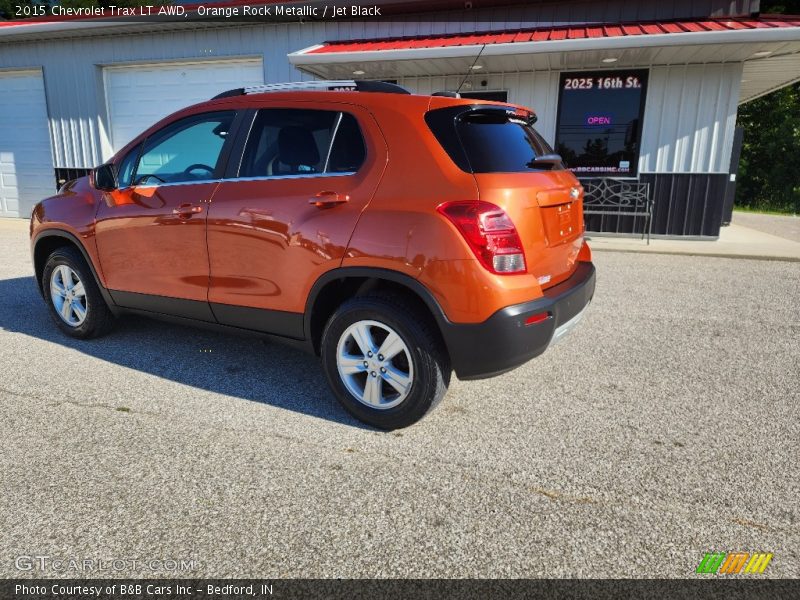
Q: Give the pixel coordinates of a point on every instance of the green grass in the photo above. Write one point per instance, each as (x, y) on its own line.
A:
(766, 210)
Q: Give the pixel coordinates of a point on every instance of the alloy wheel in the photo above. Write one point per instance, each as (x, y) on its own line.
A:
(375, 364)
(68, 296)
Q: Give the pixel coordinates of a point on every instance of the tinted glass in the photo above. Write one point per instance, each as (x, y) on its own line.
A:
(495, 143)
(302, 142)
(125, 171)
(599, 121)
(493, 96)
(184, 151)
(347, 151)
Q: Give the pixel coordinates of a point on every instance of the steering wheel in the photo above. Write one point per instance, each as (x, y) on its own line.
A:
(143, 179)
(188, 170)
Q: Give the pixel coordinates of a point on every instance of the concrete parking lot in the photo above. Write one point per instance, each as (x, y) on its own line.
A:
(666, 426)
(784, 226)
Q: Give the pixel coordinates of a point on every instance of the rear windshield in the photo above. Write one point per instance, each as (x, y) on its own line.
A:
(488, 140)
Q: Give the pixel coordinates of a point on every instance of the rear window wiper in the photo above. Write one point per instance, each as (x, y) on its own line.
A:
(551, 161)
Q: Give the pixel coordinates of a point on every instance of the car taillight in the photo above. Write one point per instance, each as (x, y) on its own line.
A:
(490, 234)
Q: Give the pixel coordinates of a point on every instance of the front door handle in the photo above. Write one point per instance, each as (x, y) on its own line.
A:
(328, 199)
(187, 210)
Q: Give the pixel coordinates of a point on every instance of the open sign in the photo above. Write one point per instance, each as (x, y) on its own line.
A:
(593, 120)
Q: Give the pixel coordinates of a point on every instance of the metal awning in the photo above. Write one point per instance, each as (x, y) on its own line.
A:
(768, 45)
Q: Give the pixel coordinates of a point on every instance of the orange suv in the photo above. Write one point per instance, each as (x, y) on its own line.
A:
(398, 236)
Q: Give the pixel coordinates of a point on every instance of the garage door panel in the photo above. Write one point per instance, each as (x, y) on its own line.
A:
(138, 96)
(9, 200)
(26, 159)
(9, 177)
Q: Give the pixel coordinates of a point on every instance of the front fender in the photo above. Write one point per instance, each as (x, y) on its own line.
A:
(69, 215)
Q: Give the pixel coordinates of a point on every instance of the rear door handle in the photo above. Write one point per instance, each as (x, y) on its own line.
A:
(187, 210)
(328, 199)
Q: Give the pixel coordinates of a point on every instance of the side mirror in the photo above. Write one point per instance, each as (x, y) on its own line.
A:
(104, 177)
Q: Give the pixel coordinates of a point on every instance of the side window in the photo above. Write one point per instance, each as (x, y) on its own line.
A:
(125, 170)
(185, 151)
(347, 151)
(301, 142)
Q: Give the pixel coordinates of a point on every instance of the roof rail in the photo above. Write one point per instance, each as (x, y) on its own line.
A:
(341, 85)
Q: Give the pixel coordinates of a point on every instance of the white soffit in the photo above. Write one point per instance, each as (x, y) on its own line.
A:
(641, 50)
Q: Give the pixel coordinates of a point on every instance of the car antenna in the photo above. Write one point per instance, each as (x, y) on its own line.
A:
(469, 71)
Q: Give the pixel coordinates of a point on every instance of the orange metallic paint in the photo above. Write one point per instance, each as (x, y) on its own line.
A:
(72, 210)
(401, 230)
(148, 246)
(268, 240)
(548, 219)
(263, 244)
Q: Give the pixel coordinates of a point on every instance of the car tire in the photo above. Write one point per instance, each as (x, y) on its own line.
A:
(73, 296)
(387, 392)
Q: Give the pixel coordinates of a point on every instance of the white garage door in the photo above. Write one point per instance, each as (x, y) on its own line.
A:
(26, 159)
(140, 95)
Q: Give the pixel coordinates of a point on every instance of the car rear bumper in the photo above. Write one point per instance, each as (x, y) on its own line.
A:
(504, 341)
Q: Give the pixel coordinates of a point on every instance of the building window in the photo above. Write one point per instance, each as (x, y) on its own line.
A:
(600, 116)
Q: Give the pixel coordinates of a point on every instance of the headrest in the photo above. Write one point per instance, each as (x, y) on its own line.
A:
(296, 146)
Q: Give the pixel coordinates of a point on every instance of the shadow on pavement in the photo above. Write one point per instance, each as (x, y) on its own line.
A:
(238, 366)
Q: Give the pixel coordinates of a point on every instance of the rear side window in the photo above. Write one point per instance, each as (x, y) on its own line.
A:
(347, 150)
(488, 140)
(302, 142)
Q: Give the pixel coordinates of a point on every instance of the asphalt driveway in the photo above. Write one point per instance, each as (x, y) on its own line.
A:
(666, 426)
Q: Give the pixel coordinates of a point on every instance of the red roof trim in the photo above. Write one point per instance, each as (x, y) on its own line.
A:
(567, 32)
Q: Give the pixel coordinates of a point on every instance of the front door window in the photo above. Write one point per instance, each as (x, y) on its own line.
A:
(186, 151)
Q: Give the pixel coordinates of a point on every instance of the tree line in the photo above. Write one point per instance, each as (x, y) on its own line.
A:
(769, 170)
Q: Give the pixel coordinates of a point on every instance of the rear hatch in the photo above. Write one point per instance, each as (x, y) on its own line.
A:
(515, 169)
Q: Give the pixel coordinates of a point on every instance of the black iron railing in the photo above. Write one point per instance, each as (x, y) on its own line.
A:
(619, 198)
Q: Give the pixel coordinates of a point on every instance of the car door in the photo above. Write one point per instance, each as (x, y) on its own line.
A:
(151, 232)
(285, 213)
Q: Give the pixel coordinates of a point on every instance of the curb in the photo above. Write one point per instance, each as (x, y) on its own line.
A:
(772, 258)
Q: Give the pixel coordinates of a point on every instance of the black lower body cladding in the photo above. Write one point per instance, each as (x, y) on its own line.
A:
(504, 341)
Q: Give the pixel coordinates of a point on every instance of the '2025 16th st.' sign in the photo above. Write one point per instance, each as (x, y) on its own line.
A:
(599, 121)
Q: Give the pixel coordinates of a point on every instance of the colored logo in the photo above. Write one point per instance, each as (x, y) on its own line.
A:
(733, 563)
